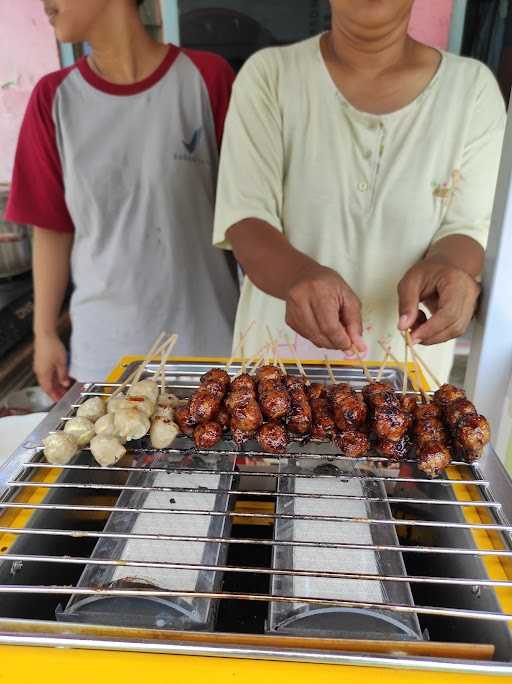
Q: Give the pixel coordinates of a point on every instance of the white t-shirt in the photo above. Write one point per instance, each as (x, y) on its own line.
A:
(363, 194)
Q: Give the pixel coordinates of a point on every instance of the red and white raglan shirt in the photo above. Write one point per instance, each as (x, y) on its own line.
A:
(131, 171)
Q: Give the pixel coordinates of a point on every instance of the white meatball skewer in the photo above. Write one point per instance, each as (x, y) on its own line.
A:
(92, 409)
(107, 450)
(164, 430)
(60, 447)
(81, 428)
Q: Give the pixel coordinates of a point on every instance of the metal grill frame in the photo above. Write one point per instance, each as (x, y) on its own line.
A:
(487, 475)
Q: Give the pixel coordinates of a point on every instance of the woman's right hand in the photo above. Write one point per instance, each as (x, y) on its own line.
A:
(51, 365)
(321, 307)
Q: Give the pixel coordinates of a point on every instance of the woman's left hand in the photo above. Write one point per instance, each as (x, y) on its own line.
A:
(450, 294)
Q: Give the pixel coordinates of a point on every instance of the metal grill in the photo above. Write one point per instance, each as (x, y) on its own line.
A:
(409, 516)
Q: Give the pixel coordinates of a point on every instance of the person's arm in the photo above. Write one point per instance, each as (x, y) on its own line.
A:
(445, 281)
(51, 267)
(320, 306)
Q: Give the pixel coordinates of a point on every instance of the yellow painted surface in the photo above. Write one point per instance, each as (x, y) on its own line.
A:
(61, 666)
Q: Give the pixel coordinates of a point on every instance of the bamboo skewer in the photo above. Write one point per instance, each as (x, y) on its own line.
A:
(406, 358)
(165, 355)
(135, 376)
(364, 365)
(241, 341)
(294, 356)
(382, 366)
(332, 378)
(416, 386)
(418, 359)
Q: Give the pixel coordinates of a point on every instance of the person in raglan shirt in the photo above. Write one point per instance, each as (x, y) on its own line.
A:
(116, 169)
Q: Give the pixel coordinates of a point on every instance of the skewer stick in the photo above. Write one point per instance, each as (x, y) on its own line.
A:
(294, 355)
(416, 385)
(419, 360)
(165, 355)
(281, 366)
(273, 344)
(382, 367)
(257, 358)
(241, 340)
(135, 376)
(364, 365)
(406, 358)
(329, 370)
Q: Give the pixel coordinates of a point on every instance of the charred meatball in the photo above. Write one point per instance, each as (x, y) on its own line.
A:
(352, 443)
(433, 458)
(430, 430)
(269, 386)
(246, 417)
(409, 403)
(275, 404)
(293, 382)
(428, 411)
(455, 411)
(472, 434)
(217, 375)
(337, 393)
(390, 423)
(446, 394)
(323, 427)
(184, 420)
(268, 373)
(204, 406)
(237, 397)
(350, 413)
(273, 438)
(223, 417)
(316, 391)
(243, 382)
(394, 451)
(207, 435)
(375, 388)
(300, 420)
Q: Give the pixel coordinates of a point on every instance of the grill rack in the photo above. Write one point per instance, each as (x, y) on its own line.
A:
(18, 477)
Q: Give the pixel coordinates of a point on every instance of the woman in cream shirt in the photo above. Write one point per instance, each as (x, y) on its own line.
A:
(356, 185)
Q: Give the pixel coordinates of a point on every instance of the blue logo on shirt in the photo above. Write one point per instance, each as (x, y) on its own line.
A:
(194, 142)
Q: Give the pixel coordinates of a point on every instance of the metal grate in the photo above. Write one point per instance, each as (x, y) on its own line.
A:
(386, 491)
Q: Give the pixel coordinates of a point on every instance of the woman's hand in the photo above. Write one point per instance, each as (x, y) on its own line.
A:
(321, 307)
(51, 366)
(450, 294)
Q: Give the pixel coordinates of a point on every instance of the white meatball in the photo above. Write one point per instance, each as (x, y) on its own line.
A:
(93, 409)
(165, 406)
(81, 428)
(131, 423)
(60, 448)
(163, 432)
(143, 404)
(105, 426)
(145, 388)
(107, 450)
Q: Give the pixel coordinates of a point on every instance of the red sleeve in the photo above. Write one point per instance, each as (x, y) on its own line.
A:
(36, 196)
(218, 77)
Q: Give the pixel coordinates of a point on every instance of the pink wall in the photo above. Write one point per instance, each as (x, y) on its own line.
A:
(27, 51)
(430, 22)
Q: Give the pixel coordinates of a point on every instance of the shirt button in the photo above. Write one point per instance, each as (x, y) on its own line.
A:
(362, 187)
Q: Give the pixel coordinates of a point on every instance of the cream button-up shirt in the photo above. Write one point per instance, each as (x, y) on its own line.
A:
(363, 194)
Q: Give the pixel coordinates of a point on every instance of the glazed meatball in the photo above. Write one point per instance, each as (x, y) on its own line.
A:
(455, 411)
(390, 423)
(323, 427)
(300, 420)
(375, 388)
(275, 404)
(246, 417)
(352, 443)
(207, 435)
(316, 391)
(409, 403)
(268, 373)
(350, 413)
(472, 434)
(446, 394)
(243, 382)
(269, 386)
(395, 451)
(223, 417)
(433, 458)
(237, 397)
(204, 406)
(385, 400)
(337, 393)
(217, 375)
(183, 418)
(428, 411)
(216, 389)
(273, 438)
(430, 430)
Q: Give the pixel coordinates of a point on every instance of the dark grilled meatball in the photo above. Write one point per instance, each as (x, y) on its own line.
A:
(337, 393)
(352, 443)
(240, 437)
(204, 406)
(374, 388)
(239, 397)
(350, 413)
(293, 382)
(316, 391)
(275, 404)
(395, 451)
(218, 375)
(207, 435)
(448, 393)
(223, 417)
(273, 438)
(214, 388)
(430, 430)
(269, 385)
(431, 410)
(455, 411)
(323, 427)
(246, 416)
(301, 418)
(472, 434)
(182, 417)
(243, 382)
(384, 400)
(433, 458)
(390, 423)
(409, 403)
(268, 373)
